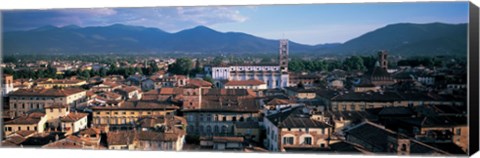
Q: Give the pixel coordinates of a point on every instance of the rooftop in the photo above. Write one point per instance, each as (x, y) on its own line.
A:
(52, 92)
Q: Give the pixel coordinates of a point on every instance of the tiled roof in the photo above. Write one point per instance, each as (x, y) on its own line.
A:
(224, 139)
(56, 106)
(199, 83)
(32, 118)
(277, 101)
(244, 83)
(295, 118)
(156, 136)
(228, 104)
(73, 117)
(378, 136)
(52, 92)
(140, 105)
(120, 137)
(371, 97)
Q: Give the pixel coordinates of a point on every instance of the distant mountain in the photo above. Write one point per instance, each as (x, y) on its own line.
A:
(410, 39)
(405, 39)
(120, 38)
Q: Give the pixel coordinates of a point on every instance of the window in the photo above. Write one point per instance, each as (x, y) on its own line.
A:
(458, 131)
(307, 140)
(115, 113)
(288, 140)
(289, 129)
(306, 130)
(28, 128)
(322, 145)
(98, 113)
(404, 147)
(224, 118)
(132, 113)
(323, 130)
(209, 117)
(51, 110)
(19, 128)
(6, 129)
(14, 106)
(216, 129)
(124, 113)
(9, 128)
(234, 118)
(201, 117)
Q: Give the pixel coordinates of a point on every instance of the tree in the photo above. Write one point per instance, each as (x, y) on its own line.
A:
(182, 66)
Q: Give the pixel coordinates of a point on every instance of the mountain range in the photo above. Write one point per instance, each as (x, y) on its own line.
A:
(402, 39)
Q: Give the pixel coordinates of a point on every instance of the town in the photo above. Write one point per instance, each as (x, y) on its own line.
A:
(377, 104)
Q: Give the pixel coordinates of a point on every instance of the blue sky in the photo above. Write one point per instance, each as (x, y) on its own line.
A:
(308, 24)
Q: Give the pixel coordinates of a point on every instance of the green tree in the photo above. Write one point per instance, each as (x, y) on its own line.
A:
(182, 66)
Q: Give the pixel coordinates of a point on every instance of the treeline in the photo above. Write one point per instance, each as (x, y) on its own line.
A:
(425, 61)
(360, 63)
(50, 72)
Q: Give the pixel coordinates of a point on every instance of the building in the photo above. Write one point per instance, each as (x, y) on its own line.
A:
(275, 76)
(222, 143)
(121, 140)
(245, 84)
(74, 122)
(31, 122)
(219, 110)
(61, 83)
(378, 75)
(377, 139)
(294, 127)
(124, 115)
(359, 101)
(7, 84)
(161, 133)
(25, 100)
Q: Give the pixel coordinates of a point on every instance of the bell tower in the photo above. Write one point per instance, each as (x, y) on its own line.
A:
(283, 55)
(382, 59)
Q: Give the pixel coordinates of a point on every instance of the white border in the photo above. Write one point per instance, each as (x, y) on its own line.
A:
(62, 153)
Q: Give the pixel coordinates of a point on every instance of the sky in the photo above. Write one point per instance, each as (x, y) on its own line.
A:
(307, 24)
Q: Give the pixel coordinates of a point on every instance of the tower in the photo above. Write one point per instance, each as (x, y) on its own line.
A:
(283, 55)
(7, 84)
(382, 59)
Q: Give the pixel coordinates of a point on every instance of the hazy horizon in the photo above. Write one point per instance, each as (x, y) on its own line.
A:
(307, 24)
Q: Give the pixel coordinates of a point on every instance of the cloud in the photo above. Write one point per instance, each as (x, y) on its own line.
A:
(166, 18)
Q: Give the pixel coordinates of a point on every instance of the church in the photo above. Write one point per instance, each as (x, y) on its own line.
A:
(274, 76)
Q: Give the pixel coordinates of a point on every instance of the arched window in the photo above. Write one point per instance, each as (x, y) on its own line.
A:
(224, 129)
(209, 129)
(215, 129)
(201, 129)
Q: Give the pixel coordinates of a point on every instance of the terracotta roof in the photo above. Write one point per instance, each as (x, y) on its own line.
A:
(52, 92)
(228, 104)
(156, 136)
(71, 142)
(90, 131)
(25, 133)
(277, 101)
(198, 83)
(62, 82)
(73, 117)
(140, 105)
(244, 83)
(16, 139)
(224, 139)
(56, 106)
(120, 137)
(32, 118)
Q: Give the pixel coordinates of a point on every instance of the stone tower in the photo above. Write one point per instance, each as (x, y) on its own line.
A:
(283, 55)
(382, 59)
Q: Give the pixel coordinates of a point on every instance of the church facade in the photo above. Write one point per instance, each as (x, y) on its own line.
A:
(275, 76)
